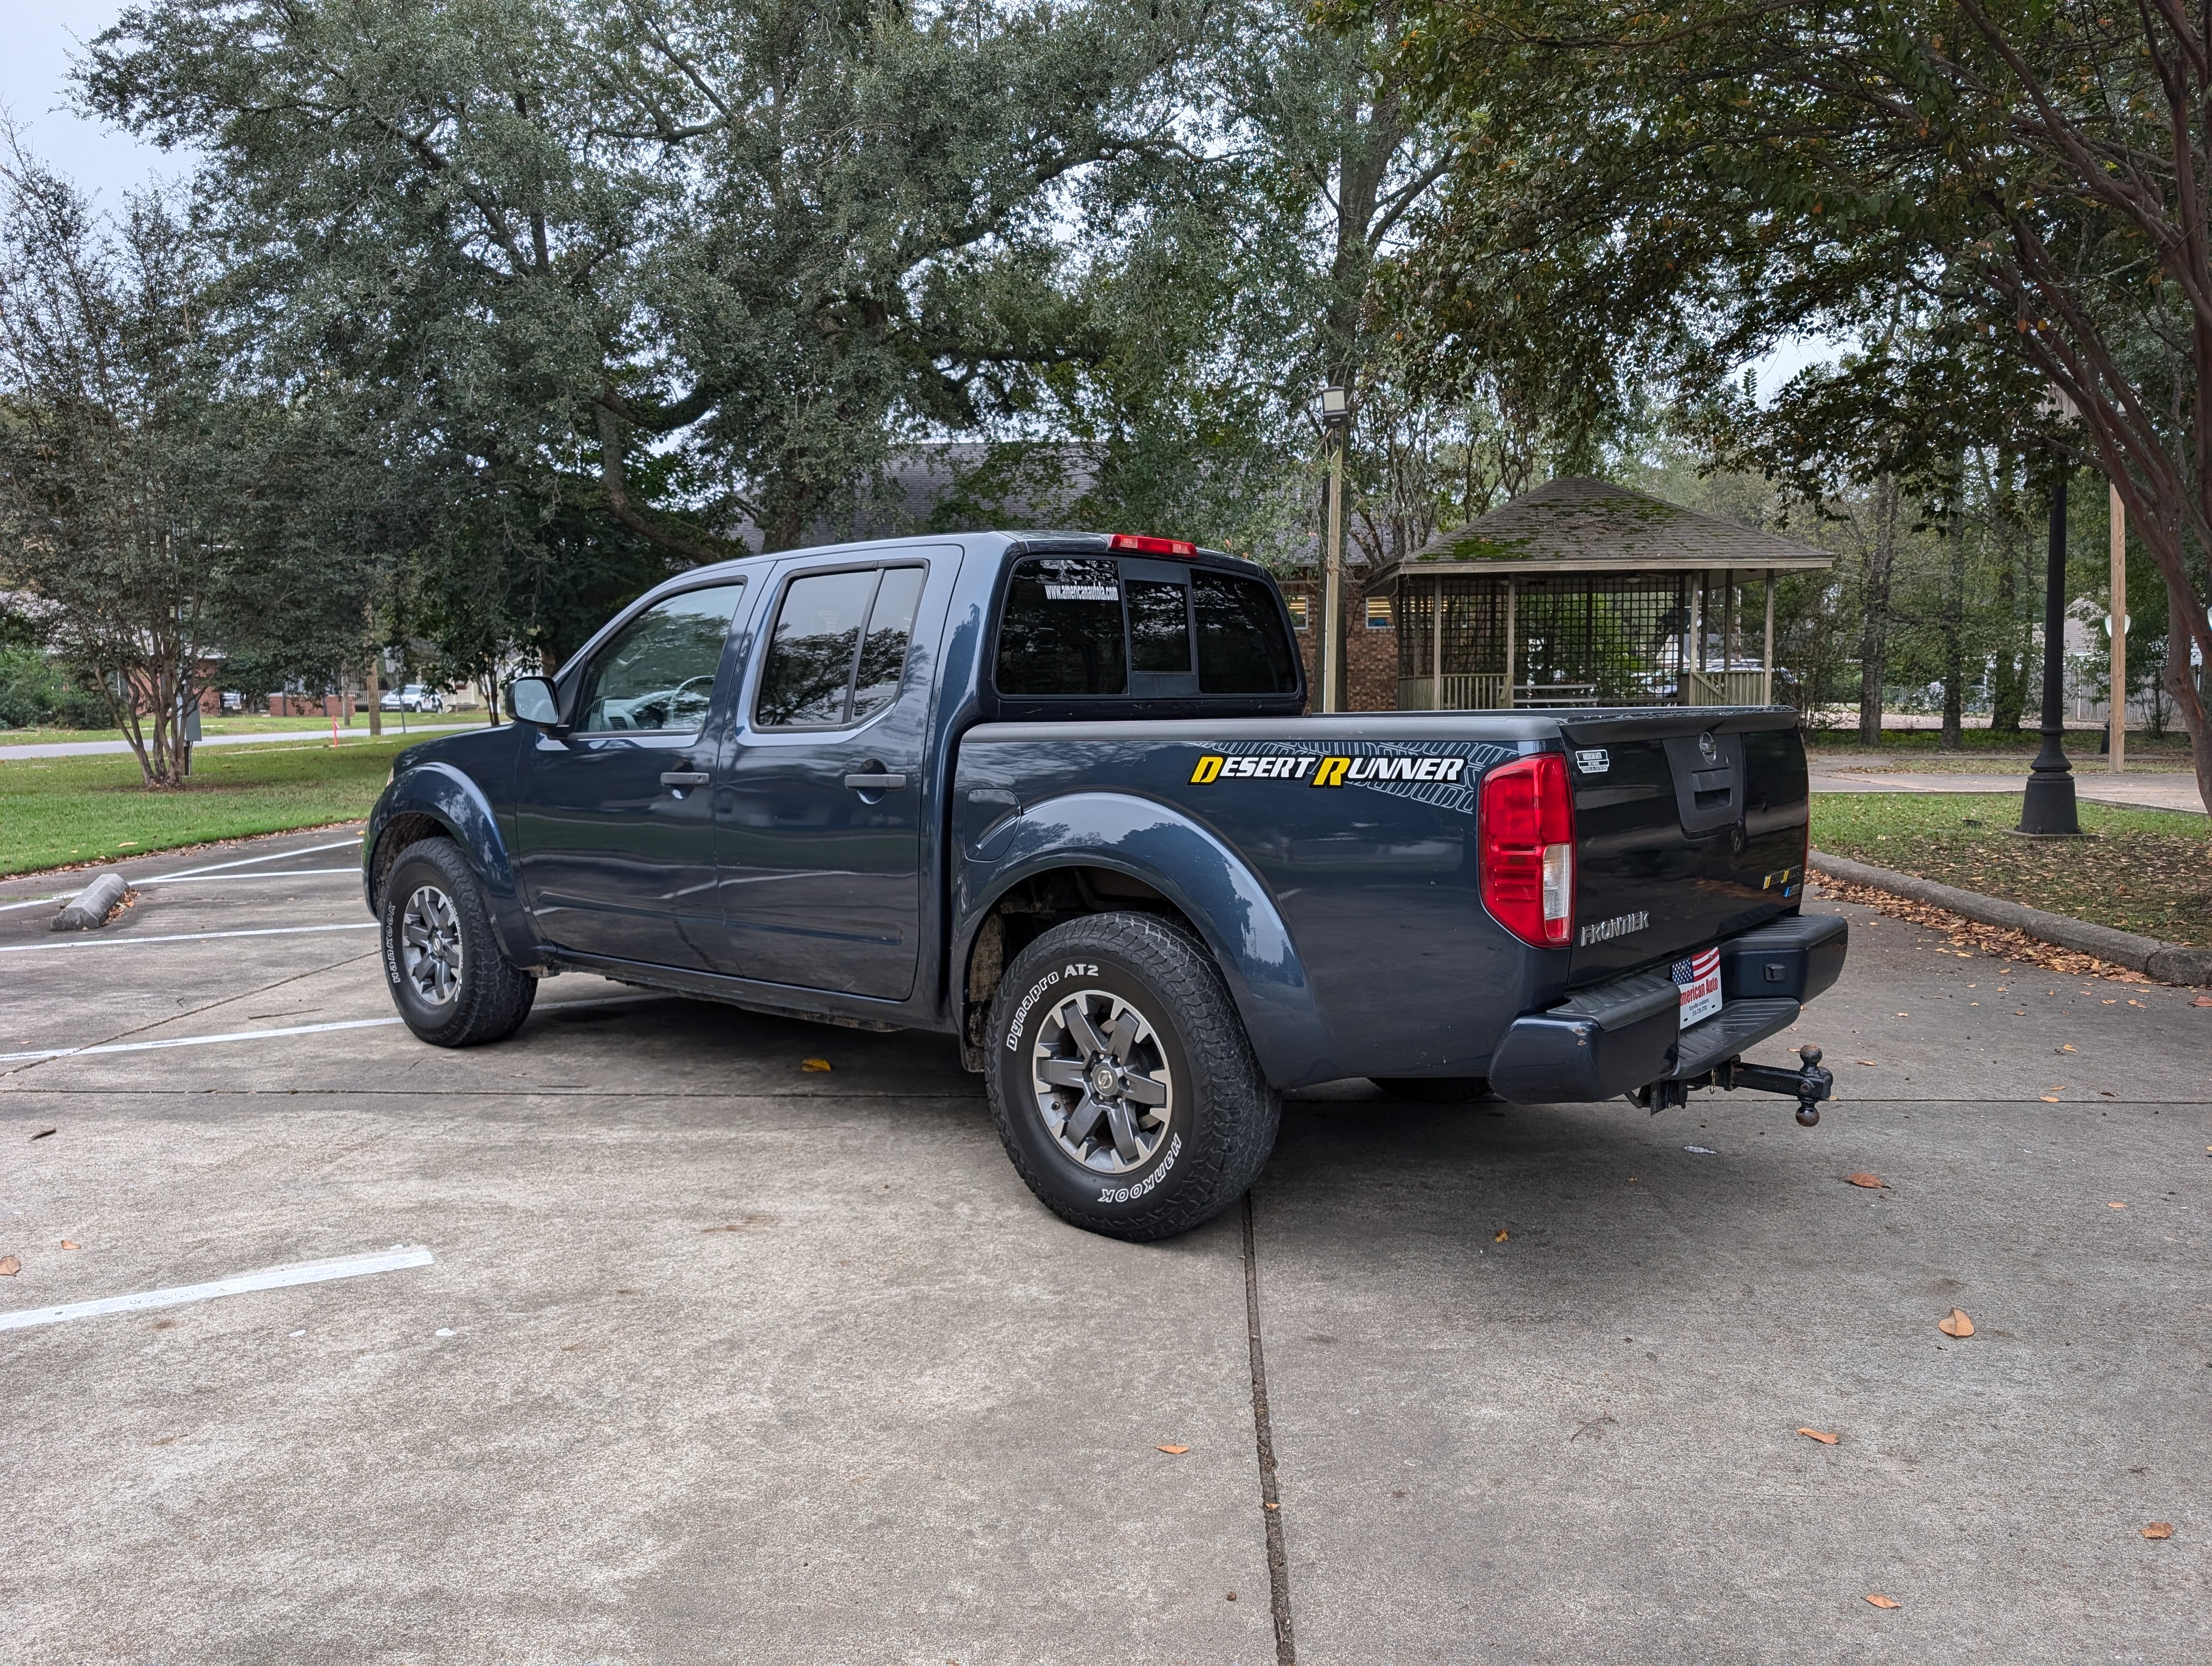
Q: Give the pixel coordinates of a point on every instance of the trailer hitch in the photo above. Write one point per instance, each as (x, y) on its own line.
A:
(1808, 1085)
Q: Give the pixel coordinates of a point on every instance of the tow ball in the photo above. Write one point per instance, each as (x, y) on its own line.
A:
(1808, 1085)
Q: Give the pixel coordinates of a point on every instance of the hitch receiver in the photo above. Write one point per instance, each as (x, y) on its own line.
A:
(1808, 1085)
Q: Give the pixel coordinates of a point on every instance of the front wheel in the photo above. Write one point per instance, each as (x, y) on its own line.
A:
(451, 983)
(1123, 1086)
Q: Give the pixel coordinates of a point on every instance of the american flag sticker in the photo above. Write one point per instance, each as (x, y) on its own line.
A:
(1699, 979)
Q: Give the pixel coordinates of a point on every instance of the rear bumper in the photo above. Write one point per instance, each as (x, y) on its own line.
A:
(1619, 1036)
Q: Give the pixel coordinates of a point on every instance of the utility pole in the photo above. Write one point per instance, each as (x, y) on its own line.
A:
(1336, 420)
(2049, 809)
(2117, 623)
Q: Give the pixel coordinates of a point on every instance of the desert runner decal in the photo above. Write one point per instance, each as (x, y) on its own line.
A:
(1326, 771)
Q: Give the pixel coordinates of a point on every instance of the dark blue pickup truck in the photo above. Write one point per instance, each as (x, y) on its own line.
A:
(1057, 795)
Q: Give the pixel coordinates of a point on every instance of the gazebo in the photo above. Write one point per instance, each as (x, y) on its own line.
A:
(1584, 593)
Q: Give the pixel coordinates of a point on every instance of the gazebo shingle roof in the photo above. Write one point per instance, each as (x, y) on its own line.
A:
(1578, 525)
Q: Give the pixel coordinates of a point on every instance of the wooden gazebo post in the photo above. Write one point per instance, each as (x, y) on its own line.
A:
(1766, 660)
(1437, 645)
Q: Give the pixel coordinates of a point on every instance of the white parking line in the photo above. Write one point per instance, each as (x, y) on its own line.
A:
(184, 937)
(270, 1278)
(289, 1030)
(33, 902)
(212, 879)
(197, 1041)
(273, 856)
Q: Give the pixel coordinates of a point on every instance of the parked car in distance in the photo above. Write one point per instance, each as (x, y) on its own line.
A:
(414, 698)
(1056, 797)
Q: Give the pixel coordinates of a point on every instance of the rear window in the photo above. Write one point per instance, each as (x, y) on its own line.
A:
(1077, 625)
(1062, 630)
(1241, 648)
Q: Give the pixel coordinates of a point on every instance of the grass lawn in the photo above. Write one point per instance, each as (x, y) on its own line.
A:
(247, 725)
(2148, 870)
(58, 811)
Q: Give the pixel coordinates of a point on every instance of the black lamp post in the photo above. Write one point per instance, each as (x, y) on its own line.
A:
(2048, 811)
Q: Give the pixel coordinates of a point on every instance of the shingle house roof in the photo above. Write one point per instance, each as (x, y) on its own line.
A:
(1579, 524)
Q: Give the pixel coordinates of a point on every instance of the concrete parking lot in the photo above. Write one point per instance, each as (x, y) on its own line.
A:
(719, 1358)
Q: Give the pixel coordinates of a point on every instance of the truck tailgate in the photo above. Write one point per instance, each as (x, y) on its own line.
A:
(1690, 824)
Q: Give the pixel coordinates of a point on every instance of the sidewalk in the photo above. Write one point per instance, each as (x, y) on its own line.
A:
(106, 748)
(2164, 791)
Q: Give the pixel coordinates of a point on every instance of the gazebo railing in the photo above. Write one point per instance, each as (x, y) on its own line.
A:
(1479, 691)
(1723, 688)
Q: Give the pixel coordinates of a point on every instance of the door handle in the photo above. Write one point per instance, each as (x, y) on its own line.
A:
(682, 777)
(875, 781)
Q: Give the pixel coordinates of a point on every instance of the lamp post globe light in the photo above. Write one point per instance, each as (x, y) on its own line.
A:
(2049, 809)
(1336, 421)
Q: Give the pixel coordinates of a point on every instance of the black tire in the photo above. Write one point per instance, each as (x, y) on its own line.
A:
(1435, 1090)
(488, 998)
(1115, 1163)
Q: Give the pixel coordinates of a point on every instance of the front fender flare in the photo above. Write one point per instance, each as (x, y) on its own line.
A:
(446, 796)
(1196, 872)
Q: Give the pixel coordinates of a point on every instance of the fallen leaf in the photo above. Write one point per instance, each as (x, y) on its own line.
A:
(2201, 1000)
(43, 1133)
(2116, 1205)
(1880, 1601)
(1871, 1182)
(1956, 1323)
(2050, 1099)
(2065, 1047)
(2159, 1530)
(814, 1064)
(1172, 1451)
(10, 1267)
(67, 1245)
(1904, 1015)
(1866, 1060)
(1825, 1439)
(1502, 1236)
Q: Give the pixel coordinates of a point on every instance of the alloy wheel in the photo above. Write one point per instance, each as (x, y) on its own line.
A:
(1102, 1081)
(430, 945)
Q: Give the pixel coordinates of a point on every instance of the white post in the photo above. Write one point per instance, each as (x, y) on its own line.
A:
(1437, 645)
(2119, 716)
(1767, 662)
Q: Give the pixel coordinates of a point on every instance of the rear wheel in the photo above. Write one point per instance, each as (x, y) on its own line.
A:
(451, 983)
(1435, 1090)
(1123, 1084)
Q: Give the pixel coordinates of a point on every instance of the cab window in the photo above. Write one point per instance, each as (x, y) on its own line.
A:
(838, 652)
(658, 672)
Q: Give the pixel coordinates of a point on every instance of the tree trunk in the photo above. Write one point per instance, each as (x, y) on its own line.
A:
(1874, 638)
(2181, 682)
(1955, 628)
(2009, 682)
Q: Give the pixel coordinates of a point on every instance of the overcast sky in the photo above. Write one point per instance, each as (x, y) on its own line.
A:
(38, 40)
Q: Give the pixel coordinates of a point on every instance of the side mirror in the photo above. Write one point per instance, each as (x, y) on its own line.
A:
(531, 700)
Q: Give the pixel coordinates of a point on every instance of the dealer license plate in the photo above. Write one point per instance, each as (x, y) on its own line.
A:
(1699, 979)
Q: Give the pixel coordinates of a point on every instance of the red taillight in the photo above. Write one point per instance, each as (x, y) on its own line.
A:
(1526, 826)
(1131, 544)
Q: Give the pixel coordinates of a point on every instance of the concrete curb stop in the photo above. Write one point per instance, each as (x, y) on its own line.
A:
(88, 909)
(2169, 963)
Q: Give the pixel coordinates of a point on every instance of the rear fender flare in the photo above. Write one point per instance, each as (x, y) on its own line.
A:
(1193, 869)
(444, 795)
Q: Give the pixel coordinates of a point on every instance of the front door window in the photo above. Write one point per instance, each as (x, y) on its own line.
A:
(658, 672)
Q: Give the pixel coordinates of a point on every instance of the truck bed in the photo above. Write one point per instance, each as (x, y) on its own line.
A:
(1360, 833)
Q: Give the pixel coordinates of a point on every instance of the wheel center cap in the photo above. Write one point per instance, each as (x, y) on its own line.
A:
(1103, 1079)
